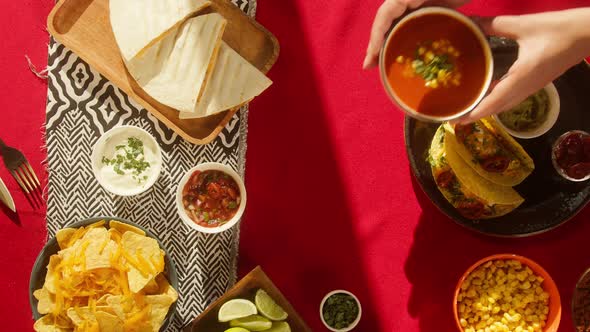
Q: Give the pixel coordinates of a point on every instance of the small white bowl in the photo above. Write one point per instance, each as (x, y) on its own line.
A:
(554, 108)
(208, 167)
(148, 141)
(354, 323)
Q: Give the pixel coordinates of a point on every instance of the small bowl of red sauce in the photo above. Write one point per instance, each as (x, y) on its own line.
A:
(211, 198)
(571, 155)
(436, 64)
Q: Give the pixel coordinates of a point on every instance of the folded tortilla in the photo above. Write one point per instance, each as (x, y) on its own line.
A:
(234, 82)
(138, 24)
(488, 140)
(176, 69)
(473, 196)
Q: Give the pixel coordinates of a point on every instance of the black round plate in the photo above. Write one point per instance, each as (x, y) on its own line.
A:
(550, 200)
(51, 248)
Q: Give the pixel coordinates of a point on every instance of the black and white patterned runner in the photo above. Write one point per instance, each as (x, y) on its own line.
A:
(81, 106)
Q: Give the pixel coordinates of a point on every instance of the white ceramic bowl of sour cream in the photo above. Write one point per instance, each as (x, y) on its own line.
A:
(126, 184)
(213, 167)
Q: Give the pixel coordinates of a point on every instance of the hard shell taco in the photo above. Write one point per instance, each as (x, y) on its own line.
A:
(491, 152)
(473, 196)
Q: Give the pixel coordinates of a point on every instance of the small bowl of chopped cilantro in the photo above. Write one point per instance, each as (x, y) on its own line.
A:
(340, 311)
(126, 160)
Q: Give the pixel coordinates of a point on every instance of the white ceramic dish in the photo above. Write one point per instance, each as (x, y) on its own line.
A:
(104, 145)
(354, 323)
(554, 108)
(476, 31)
(206, 167)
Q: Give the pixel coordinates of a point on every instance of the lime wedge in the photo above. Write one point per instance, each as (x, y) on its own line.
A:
(235, 309)
(279, 327)
(252, 323)
(268, 307)
(236, 329)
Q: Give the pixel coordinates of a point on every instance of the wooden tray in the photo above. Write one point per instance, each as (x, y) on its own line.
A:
(84, 27)
(246, 288)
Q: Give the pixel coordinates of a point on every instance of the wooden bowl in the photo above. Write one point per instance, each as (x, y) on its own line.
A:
(246, 289)
(554, 316)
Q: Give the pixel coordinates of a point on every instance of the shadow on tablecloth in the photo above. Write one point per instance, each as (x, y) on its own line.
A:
(442, 250)
(298, 225)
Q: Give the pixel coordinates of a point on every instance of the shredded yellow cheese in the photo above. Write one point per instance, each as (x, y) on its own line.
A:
(80, 289)
(131, 260)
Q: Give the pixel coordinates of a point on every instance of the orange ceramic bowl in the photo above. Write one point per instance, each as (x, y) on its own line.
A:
(554, 316)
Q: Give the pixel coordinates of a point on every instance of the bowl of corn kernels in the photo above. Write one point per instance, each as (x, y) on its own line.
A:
(507, 293)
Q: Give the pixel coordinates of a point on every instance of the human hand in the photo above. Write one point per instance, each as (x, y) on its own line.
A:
(389, 11)
(549, 44)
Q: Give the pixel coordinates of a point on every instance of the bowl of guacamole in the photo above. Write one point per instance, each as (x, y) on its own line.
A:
(534, 116)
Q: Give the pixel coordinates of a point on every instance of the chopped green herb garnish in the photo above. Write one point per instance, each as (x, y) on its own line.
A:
(429, 70)
(130, 157)
(340, 310)
(232, 205)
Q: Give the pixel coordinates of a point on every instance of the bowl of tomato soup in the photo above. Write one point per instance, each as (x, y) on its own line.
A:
(436, 64)
(211, 198)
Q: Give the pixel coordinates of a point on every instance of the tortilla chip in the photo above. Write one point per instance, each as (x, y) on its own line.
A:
(165, 287)
(52, 276)
(122, 227)
(85, 315)
(151, 287)
(97, 224)
(102, 301)
(63, 236)
(140, 252)
(46, 324)
(108, 322)
(116, 303)
(92, 251)
(98, 255)
(79, 316)
(46, 300)
(160, 304)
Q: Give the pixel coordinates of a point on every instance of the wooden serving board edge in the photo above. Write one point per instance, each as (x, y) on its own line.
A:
(161, 117)
(256, 274)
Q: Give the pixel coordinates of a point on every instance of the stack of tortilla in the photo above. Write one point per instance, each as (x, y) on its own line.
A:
(178, 56)
(475, 168)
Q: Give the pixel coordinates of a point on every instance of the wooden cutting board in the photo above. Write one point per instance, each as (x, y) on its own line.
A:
(84, 27)
(246, 289)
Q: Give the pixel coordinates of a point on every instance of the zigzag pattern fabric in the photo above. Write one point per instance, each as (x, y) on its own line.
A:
(81, 106)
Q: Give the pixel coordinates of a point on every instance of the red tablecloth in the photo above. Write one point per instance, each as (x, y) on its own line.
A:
(332, 202)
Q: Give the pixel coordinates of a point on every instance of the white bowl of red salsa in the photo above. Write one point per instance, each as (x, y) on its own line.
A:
(571, 155)
(211, 198)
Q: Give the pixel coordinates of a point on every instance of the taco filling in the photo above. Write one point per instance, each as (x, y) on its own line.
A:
(471, 195)
(491, 152)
